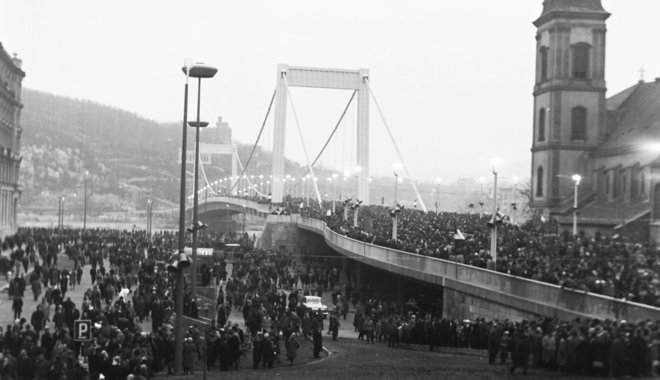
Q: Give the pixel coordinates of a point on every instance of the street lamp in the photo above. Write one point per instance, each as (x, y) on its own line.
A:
(334, 191)
(493, 232)
(149, 204)
(437, 193)
(60, 212)
(193, 267)
(199, 71)
(576, 179)
(395, 168)
(85, 177)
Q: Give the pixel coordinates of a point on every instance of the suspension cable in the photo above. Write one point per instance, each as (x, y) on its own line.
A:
(389, 132)
(252, 185)
(341, 118)
(254, 147)
(302, 140)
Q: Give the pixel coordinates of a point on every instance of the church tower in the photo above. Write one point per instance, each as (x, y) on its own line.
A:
(569, 99)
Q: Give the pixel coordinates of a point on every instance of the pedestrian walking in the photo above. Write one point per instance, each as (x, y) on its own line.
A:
(292, 346)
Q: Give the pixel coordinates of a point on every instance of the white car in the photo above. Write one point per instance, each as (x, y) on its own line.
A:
(313, 303)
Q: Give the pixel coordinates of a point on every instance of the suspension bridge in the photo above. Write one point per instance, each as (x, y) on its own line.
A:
(465, 290)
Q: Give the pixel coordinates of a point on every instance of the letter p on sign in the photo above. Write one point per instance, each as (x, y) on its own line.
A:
(82, 330)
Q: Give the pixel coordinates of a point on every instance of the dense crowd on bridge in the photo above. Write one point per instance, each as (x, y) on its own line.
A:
(610, 266)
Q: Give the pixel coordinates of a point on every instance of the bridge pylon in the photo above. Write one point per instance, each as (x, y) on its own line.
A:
(321, 78)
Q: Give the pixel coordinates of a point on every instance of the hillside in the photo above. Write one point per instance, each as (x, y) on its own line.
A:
(128, 157)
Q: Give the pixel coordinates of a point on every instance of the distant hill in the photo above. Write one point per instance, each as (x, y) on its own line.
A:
(128, 157)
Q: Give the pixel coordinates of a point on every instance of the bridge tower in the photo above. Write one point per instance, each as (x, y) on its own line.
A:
(321, 78)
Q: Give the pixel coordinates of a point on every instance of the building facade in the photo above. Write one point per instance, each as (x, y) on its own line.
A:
(608, 142)
(11, 78)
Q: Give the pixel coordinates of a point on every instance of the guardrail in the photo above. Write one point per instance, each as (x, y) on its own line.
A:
(524, 294)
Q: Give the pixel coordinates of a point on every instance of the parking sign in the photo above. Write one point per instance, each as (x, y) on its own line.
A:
(82, 330)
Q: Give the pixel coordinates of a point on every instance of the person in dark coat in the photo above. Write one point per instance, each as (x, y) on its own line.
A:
(79, 274)
(493, 343)
(267, 351)
(189, 351)
(334, 326)
(521, 351)
(224, 353)
(256, 351)
(38, 319)
(234, 343)
(92, 273)
(17, 307)
(292, 346)
(317, 337)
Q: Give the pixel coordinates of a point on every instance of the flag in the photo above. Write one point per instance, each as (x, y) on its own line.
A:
(458, 235)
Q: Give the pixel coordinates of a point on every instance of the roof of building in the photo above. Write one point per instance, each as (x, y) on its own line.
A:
(636, 118)
(10, 62)
(567, 7)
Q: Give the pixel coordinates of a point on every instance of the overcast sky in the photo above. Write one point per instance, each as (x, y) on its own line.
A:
(454, 78)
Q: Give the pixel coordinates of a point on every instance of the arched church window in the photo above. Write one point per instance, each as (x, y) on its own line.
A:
(579, 123)
(541, 134)
(581, 61)
(656, 202)
(642, 186)
(539, 181)
(544, 63)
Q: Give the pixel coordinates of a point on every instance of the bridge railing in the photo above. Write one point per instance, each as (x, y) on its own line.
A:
(533, 296)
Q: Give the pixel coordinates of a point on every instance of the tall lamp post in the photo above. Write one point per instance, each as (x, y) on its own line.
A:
(438, 181)
(85, 178)
(334, 191)
(149, 204)
(493, 232)
(196, 71)
(193, 267)
(60, 212)
(576, 179)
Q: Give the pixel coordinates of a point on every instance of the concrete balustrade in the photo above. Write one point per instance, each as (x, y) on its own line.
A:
(506, 291)
(470, 292)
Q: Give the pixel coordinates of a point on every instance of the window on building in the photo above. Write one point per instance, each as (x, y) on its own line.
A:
(642, 185)
(579, 123)
(539, 181)
(623, 185)
(541, 124)
(544, 63)
(616, 186)
(581, 61)
(607, 184)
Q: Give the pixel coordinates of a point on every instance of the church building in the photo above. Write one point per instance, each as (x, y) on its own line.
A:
(605, 150)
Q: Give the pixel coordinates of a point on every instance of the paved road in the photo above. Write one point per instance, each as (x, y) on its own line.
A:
(29, 305)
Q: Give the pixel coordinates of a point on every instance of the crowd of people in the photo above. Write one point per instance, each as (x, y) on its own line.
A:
(129, 285)
(612, 266)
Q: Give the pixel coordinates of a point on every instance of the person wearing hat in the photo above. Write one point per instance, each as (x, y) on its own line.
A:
(256, 350)
(189, 350)
(267, 351)
(292, 346)
(505, 341)
(317, 338)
